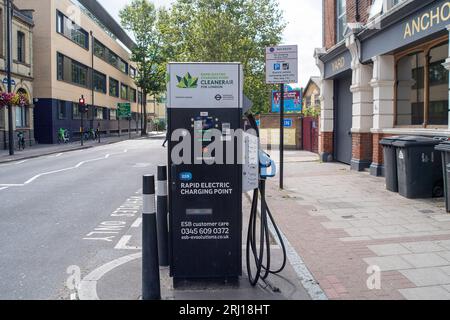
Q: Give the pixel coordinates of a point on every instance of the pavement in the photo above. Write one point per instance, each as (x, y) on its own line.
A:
(358, 240)
(71, 229)
(40, 150)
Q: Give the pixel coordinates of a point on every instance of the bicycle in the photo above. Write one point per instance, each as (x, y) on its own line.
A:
(63, 136)
(21, 140)
(90, 134)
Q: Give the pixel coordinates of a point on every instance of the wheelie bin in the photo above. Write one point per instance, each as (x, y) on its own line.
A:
(419, 167)
(390, 163)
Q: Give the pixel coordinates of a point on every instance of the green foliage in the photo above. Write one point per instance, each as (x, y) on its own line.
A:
(313, 111)
(226, 31)
(144, 20)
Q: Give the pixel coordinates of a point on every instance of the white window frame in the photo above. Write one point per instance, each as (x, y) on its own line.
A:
(340, 33)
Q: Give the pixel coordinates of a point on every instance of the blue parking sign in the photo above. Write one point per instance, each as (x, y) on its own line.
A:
(288, 123)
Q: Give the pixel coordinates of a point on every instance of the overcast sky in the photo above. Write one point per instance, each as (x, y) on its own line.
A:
(304, 29)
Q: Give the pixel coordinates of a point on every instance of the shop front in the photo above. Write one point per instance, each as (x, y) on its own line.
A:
(399, 84)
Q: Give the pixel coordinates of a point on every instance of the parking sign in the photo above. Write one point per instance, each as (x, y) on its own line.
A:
(282, 65)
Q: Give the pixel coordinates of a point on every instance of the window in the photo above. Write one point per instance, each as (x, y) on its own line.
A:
(99, 82)
(113, 87)
(59, 22)
(21, 117)
(21, 47)
(124, 92)
(133, 73)
(140, 97)
(123, 66)
(438, 86)
(112, 114)
(376, 9)
(133, 95)
(422, 88)
(2, 117)
(99, 50)
(71, 30)
(79, 36)
(76, 115)
(102, 52)
(79, 74)
(62, 110)
(60, 66)
(308, 101)
(98, 114)
(341, 19)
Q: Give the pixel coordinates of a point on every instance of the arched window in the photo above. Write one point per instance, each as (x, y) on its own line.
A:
(422, 87)
(22, 110)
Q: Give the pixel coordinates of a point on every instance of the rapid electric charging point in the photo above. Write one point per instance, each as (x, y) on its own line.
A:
(205, 106)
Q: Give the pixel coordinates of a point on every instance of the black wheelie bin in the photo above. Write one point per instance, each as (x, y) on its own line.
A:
(390, 163)
(419, 167)
(444, 148)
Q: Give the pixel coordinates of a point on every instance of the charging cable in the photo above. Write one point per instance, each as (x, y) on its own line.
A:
(262, 257)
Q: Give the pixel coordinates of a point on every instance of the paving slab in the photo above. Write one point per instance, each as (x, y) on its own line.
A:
(426, 293)
(427, 277)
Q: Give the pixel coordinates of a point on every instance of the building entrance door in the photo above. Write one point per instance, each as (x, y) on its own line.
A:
(343, 101)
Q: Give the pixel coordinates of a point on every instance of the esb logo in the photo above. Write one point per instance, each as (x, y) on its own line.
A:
(186, 176)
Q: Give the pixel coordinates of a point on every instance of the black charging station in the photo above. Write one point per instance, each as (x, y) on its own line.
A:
(205, 200)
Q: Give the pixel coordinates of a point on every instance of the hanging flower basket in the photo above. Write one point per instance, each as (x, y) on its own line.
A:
(14, 99)
(6, 99)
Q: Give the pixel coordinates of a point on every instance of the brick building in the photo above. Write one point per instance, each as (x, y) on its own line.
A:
(384, 71)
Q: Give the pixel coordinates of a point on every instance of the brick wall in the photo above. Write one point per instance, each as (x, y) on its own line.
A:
(329, 23)
(329, 18)
(364, 7)
(377, 153)
(326, 142)
(362, 146)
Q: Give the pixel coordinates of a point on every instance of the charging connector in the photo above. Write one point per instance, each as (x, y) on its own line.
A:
(262, 256)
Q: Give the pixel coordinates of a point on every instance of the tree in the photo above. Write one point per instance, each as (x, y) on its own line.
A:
(227, 31)
(142, 19)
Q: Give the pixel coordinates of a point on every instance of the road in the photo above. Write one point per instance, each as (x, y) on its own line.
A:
(68, 210)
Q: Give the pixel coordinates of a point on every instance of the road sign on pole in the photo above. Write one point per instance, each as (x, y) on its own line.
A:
(282, 68)
(123, 110)
(282, 64)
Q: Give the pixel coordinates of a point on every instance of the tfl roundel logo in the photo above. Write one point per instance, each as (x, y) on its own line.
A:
(186, 176)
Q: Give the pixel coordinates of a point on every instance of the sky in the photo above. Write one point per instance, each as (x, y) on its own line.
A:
(304, 29)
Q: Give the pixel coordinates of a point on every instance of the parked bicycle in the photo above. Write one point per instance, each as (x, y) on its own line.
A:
(21, 140)
(90, 134)
(63, 136)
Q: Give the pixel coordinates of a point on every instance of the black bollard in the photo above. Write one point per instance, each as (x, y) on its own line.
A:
(161, 217)
(151, 287)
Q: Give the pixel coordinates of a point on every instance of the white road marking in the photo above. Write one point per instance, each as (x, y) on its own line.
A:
(13, 163)
(87, 289)
(137, 223)
(3, 188)
(123, 244)
(58, 171)
(58, 155)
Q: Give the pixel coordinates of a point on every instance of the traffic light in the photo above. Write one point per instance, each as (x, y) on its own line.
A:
(82, 107)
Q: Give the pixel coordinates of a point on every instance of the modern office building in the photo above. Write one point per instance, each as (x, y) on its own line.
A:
(22, 72)
(384, 71)
(80, 50)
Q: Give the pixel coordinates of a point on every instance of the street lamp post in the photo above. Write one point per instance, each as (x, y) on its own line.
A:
(8, 72)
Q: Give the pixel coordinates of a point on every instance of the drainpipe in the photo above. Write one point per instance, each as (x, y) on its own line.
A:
(357, 15)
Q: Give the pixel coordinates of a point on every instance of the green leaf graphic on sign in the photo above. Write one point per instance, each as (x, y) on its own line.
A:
(187, 82)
